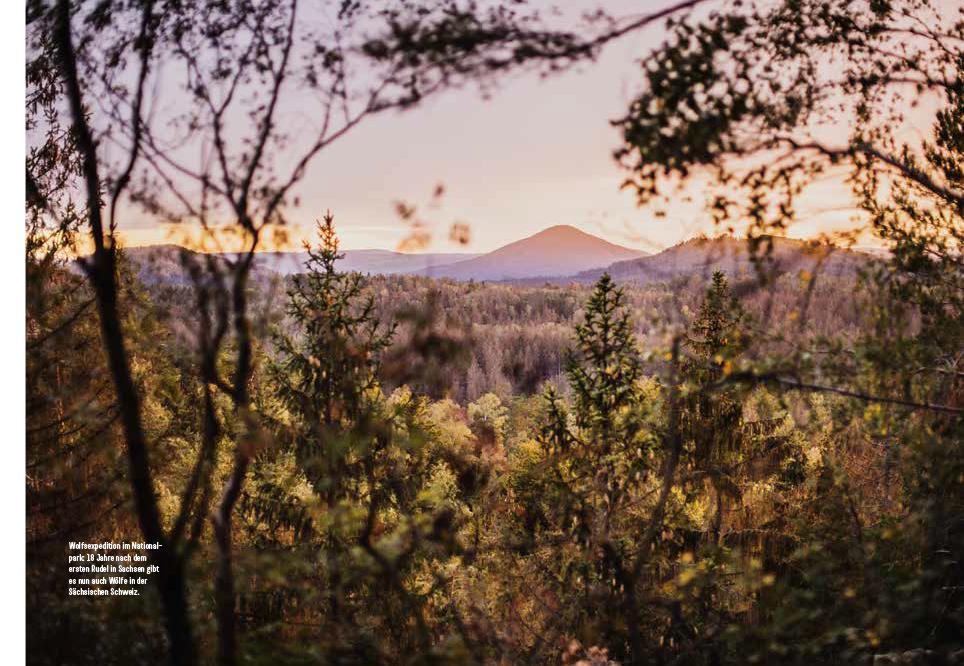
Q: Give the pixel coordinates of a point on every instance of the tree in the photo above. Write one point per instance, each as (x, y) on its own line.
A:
(357, 494)
(487, 419)
(579, 502)
(713, 418)
(330, 369)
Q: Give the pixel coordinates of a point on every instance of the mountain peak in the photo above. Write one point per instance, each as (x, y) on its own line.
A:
(561, 230)
(564, 233)
(556, 251)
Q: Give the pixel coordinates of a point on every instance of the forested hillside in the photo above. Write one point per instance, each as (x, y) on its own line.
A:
(517, 335)
(703, 256)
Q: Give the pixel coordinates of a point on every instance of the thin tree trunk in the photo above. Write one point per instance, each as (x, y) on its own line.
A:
(102, 274)
(224, 588)
(224, 585)
(675, 446)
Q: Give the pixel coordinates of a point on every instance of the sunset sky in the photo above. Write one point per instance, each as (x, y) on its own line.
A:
(537, 153)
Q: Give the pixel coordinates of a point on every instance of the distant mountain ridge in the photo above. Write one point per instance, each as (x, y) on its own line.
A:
(162, 263)
(560, 250)
(559, 254)
(378, 262)
(703, 256)
(557, 251)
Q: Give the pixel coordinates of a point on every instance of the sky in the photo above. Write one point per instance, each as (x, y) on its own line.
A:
(536, 153)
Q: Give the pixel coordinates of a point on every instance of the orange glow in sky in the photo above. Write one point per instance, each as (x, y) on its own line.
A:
(536, 154)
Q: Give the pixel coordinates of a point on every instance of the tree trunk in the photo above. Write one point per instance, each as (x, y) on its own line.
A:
(224, 588)
(102, 275)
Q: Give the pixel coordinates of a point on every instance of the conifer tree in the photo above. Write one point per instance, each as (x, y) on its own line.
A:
(332, 362)
(604, 372)
(725, 448)
(712, 417)
(376, 506)
(330, 429)
(597, 458)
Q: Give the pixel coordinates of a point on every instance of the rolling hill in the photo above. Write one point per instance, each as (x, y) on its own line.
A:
(162, 263)
(378, 262)
(703, 256)
(560, 254)
(557, 251)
